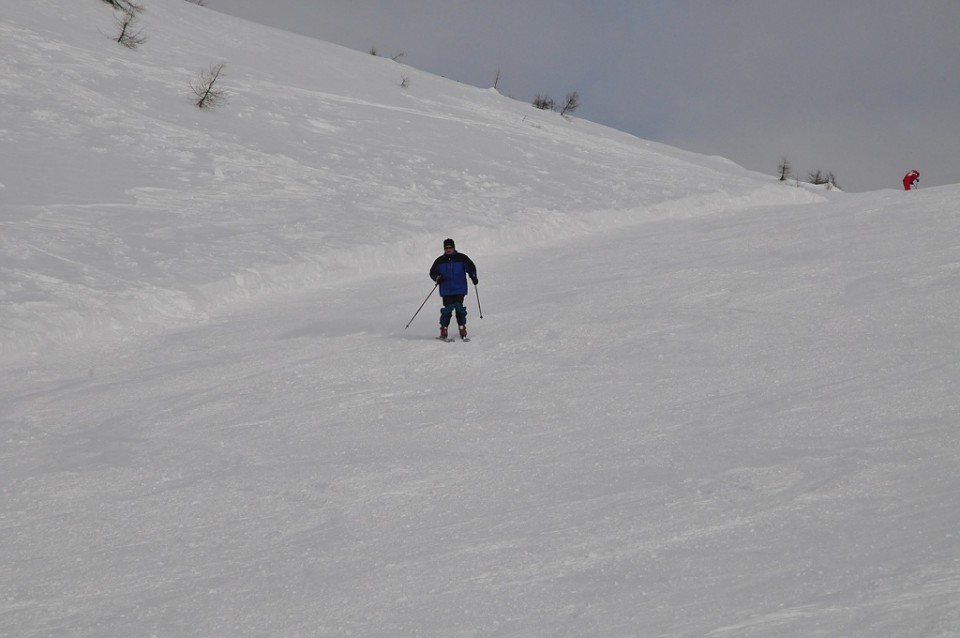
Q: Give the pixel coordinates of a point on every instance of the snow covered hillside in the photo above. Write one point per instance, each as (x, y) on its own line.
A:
(125, 204)
(700, 402)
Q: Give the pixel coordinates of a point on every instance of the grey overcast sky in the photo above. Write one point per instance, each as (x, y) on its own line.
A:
(867, 89)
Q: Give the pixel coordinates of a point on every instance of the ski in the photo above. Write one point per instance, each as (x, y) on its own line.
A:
(464, 339)
(446, 339)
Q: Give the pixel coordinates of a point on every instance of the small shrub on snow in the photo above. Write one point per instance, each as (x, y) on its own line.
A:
(207, 89)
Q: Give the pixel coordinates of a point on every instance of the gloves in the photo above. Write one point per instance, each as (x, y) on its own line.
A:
(439, 279)
(473, 278)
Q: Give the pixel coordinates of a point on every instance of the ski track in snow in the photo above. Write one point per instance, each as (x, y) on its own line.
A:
(700, 403)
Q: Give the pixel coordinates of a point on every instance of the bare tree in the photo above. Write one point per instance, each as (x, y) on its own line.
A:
(821, 178)
(130, 34)
(404, 81)
(206, 87)
(784, 169)
(544, 102)
(571, 104)
(128, 6)
(396, 56)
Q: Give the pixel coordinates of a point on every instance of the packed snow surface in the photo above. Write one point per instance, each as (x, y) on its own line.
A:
(700, 402)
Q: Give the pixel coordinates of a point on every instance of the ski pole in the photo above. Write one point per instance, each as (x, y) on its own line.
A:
(478, 300)
(421, 306)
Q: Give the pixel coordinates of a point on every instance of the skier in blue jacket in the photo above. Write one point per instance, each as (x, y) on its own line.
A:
(451, 270)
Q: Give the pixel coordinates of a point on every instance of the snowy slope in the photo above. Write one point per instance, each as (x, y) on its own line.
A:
(700, 402)
(321, 167)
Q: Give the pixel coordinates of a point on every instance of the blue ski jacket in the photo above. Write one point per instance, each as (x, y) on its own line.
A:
(453, 270)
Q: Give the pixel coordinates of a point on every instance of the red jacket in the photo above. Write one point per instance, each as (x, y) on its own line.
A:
(910, 179)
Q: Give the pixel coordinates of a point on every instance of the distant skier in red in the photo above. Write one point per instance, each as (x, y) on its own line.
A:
(910, 179)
